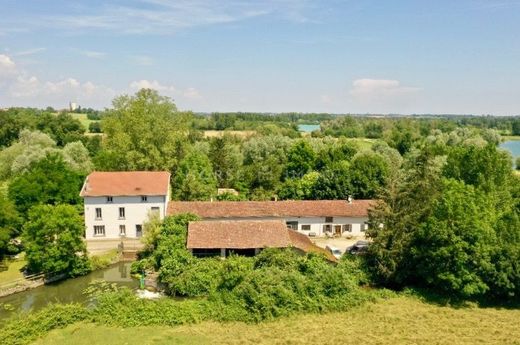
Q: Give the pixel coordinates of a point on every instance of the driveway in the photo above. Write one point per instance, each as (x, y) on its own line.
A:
(340, 243)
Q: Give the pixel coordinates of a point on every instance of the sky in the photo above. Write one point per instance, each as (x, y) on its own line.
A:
(365, 56)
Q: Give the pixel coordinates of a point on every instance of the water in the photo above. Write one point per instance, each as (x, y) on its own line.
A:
(66, 291)
(512, 146)
(308, 128)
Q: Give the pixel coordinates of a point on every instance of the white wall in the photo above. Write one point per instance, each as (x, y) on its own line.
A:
(136, 212)
(316, 223)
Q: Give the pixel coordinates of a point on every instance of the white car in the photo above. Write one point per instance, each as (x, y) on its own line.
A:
(334, 251)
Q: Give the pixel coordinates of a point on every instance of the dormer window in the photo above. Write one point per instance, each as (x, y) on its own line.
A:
(110, 199)
(144, 198)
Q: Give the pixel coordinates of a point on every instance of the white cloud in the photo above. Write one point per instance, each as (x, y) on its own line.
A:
(152, 84)
(30, 52)
(379, 89)
(23, 89)
(383, 95)
(326, 99)
(7, 66)
(93, 54)
(142, 60)
(171, 16)
(191, 93)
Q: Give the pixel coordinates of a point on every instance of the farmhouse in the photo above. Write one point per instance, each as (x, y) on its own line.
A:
(310, 217)
(245, 237)
(117, 204)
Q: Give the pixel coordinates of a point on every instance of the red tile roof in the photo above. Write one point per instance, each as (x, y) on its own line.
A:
(289, 208)
(248, 234)
(126, 183)
(238, 234)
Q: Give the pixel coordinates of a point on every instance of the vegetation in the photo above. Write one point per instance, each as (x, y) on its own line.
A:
(53, 240)
(401, 320)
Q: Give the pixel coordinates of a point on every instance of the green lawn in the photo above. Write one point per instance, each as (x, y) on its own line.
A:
(83, 119)
(13, 271)
(400, 320)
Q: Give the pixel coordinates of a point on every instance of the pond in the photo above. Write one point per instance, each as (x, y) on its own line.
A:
(67, 291)
(512, 146)
(308, 128)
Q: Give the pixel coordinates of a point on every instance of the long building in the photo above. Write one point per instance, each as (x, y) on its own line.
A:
(118, 203)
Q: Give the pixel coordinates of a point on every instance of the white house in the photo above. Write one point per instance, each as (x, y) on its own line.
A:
(118, 203)
(311, 217)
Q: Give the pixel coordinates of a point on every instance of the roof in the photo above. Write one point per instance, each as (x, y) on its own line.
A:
(126, 183)
(248, 234)
(238, 234)
(287, 208)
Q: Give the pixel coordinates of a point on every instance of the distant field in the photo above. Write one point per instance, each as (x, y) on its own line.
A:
(244, 134)
(400, 320)
(511, 137)
(83, 119)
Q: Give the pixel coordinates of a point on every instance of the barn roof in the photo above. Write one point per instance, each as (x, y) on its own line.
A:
(287, 208)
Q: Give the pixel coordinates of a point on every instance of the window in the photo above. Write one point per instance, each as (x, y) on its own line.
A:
(122, 230)
(109, 199)
(144, 198)
(306, 227)
(347, 227)
(364, 227)
(155, 210)
(98, 213)
(121, 213)
(99, 230)
(329, 219)
(327, 228)
(292, 225)
(138, 230)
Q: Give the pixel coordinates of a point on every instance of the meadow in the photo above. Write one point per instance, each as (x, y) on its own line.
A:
(399, 320)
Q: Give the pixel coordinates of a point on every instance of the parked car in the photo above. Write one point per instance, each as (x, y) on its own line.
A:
(358, 248)
(334, 251)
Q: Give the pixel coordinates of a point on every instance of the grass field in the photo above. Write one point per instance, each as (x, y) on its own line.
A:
(13, 271)
(400, 320)
(83, 119)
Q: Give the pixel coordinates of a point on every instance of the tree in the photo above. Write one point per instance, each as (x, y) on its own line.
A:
(452, 248)
(367, 173)
(300, 160)
(62, 128)
(226, 160)
(333, 183)
(515, 130)
(9, 224)
(30, 147)
(517, 163)
(299, 189)
(194, 180)
(94, 127)
(145, 131)
(49, 181)
(53, 240)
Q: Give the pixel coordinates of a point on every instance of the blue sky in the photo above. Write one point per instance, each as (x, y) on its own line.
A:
(310, 56)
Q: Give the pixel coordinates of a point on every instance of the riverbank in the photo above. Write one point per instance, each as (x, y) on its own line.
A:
(399, 320)
(511, 137)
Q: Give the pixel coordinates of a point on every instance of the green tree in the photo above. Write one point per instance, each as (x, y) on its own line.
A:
(62, 128)
(368, 172)
(143, 132)
(49, 181)
(53, 240)
(9, 224)
(299, 189)
(333, 183)
(300, 160)
(452, 248)
(194, 180)
(517, 163)
(226, 160)
(515, 127)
